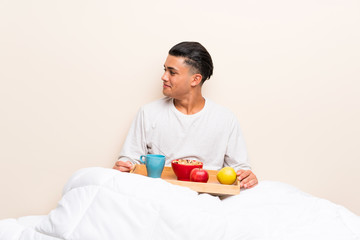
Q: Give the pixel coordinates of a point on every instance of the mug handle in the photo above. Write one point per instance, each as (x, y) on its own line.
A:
(141, 157)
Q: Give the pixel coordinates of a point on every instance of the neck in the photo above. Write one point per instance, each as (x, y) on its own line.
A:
(190, 105)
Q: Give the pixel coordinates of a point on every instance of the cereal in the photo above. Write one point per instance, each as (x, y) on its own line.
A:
(187, 162)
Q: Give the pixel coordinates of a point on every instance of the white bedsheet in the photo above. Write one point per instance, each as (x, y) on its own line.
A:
(101, 203)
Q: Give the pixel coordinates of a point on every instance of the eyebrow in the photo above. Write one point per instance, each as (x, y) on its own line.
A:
(171, 68)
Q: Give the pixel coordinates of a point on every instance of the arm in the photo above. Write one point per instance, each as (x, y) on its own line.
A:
(134, 145)
(236, 157)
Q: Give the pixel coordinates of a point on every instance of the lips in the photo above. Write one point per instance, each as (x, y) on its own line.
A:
(166, 86)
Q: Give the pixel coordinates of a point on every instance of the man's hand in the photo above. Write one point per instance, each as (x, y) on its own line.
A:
(247, 178)
(123, 166)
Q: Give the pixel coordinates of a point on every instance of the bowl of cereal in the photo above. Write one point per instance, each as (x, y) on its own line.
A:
(183, 167)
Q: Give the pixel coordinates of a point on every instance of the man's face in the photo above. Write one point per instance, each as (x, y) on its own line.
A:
(177, 78)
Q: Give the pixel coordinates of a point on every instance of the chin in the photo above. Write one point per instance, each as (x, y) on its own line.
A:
(166, 94)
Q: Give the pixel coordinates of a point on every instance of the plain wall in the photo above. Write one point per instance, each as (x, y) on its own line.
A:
(74, 73)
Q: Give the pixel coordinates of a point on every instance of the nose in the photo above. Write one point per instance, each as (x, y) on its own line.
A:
(165, 77)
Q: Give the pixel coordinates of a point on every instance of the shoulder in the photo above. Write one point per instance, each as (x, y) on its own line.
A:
(219, 110)
(162, 102)
(157, 104)
(155, 108)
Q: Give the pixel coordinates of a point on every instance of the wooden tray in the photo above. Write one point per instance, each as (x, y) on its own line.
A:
(212, 187)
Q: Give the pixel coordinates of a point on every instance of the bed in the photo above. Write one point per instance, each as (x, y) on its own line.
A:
(100, 203)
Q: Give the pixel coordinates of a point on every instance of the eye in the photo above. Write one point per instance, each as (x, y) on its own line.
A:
(172, 72)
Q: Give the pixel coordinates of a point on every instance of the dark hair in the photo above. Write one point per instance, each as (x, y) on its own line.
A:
(195, 56)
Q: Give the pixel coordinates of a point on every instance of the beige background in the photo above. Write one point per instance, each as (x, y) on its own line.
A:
(74, 73)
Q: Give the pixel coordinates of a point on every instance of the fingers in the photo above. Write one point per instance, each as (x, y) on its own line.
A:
(250, 183)
(243, 174)
(124, 169)
(123, 166)
(247, 178)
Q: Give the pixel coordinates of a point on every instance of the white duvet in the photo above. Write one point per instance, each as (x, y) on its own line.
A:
(101, 204)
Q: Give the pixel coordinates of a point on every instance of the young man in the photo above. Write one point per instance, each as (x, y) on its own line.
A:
(186, 125)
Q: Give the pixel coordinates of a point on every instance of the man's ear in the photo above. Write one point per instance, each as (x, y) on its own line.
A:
(196, 79)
